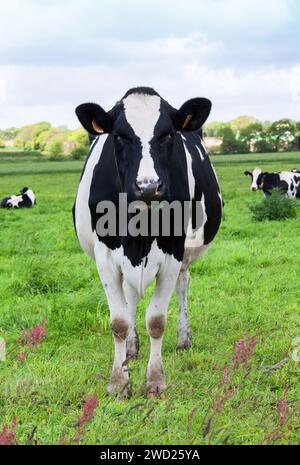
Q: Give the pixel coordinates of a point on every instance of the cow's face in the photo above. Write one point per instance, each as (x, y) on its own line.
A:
(143, 128)
(257, 179)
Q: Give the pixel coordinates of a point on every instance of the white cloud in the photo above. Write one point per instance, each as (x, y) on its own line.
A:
(52, 93)
(51, 32)
(61, 53)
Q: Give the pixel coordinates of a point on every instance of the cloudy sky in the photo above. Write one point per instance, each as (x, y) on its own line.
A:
(242, 54)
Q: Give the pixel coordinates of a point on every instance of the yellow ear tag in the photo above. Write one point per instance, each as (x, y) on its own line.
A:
(96, 127)
(188, 118)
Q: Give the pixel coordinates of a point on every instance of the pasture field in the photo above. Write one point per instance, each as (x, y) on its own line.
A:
(248, 283)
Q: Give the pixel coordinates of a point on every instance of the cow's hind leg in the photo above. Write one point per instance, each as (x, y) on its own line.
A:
(156, 319)
(132, 340)
(184, 331)
(112, 283)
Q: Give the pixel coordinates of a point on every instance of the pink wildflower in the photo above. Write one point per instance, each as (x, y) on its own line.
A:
(190, 416)
(282, 408)
(30, 340)
(22, 356)
(91, 403)
(36, 335)
(221, 399)
(8, 436)
(243, 351)
(226, 379)
(22, 337)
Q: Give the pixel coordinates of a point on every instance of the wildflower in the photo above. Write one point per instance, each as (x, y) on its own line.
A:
(8, 436)
(190, 416)
(282, 408)
(243, 351)
(30, 340)
(36, 335)
(22, 356)
(91, 403)
(22, 337)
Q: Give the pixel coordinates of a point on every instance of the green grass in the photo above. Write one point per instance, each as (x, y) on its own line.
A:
(247, 283)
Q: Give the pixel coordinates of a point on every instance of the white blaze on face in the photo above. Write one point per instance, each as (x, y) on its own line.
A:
(142, 113)
(256, 172)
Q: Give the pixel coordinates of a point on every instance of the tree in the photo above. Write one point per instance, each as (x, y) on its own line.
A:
(230, 143)
(55, 148)
(213, 129)
(281, 134)
(27, 137)
(263, 146)
(73, 143)
(255, 137)
(237, 124)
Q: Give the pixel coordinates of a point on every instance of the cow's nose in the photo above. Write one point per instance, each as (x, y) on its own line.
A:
(254, 189)
(148, 190)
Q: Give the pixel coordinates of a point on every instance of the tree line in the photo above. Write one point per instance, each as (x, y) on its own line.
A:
(55, 142)
(241, 135)
(247, 134)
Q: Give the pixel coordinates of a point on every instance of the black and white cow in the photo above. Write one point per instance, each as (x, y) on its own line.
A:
(25, 199)
(287, 181)
(151, 151)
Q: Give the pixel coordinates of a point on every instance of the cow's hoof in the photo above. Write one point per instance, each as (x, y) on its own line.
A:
(119, 384)
(184, 345)
(156, 390)
(123, 391)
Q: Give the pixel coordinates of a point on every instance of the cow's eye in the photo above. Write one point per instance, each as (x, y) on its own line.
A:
(122, 138)
(166, 137)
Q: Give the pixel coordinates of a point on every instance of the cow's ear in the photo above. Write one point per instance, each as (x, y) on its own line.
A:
(247, 173)
(192, 114)
(94, 119)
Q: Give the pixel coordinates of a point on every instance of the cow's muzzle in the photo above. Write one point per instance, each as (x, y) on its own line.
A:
(148, 191)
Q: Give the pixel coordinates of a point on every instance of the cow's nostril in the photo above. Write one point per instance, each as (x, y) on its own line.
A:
(159, 185)
(138, 185)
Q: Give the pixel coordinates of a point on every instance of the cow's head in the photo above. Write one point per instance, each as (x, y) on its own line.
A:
(257, 177)
(143, 127)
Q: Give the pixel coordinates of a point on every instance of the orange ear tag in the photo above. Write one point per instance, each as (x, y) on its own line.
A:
(188, 118)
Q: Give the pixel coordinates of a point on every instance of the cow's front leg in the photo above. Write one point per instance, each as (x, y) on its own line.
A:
(112, 283)
(184, 331)
(156, 319)
(132, 340)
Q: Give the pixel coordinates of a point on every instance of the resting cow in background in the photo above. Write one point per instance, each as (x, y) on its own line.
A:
(152, 152)
(25, 199)
(287, 181)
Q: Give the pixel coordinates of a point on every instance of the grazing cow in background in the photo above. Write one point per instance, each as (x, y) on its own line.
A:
(25, 199)
(287, 181)
(152, 152)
